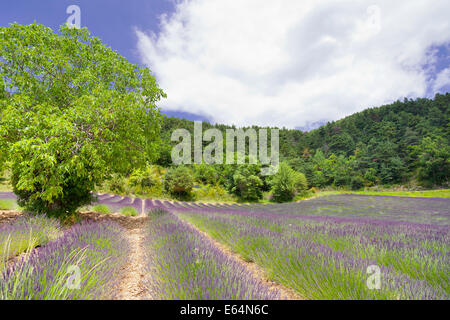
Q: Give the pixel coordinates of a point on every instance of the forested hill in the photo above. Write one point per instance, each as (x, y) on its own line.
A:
(404, 142)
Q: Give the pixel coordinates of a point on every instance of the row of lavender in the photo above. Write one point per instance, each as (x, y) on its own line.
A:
(420, 210)
(327, 256)
(24, 234)
(184, 264)
(82, 262)
(115, 203)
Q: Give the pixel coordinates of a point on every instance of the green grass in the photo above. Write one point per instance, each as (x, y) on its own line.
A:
(444, 193)
(5, 187)
(4, 181)
(7, 204)
(426, 193)
(129, 211)
(101, 208)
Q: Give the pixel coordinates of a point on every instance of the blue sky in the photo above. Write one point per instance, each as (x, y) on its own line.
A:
(284, 63)
(113, 21)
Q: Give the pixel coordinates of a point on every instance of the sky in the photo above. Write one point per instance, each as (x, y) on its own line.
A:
(295, 64)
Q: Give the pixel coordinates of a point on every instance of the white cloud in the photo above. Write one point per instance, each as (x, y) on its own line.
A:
(442, 80)
(289, 63)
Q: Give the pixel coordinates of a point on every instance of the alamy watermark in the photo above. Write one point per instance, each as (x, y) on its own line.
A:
(213, 152)
(74, 20)
(74, 280)
(373, 22)
(374, 280)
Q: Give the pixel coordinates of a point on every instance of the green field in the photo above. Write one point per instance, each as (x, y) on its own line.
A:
(425, 193)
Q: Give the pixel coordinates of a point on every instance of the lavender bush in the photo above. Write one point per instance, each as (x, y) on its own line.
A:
(26, 233)
(117, 203)
(327, 257)
(99, 250)
(183, 264)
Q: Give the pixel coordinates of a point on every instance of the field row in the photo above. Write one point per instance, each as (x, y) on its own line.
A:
(420, 210)
(325, 248)
(41, 260)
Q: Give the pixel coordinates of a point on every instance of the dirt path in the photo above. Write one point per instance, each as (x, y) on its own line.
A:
(131, 284)
(132, 276)
(8, 216)
(252, 268)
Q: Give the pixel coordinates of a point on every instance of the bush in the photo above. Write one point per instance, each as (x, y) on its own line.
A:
(117, 184)
(129, 211)
(318, 179)
(205, 174)
(179, 181)
(357, 183)
(212, 192)
(101, 208)
(74, 193)
(371, 177)
(287, 183)
(301, 183)
(143, 181)
(247, 183)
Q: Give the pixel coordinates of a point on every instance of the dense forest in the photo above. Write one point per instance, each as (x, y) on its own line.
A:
(406, 142)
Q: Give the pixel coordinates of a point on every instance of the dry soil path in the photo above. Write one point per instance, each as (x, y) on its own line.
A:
(132, 276)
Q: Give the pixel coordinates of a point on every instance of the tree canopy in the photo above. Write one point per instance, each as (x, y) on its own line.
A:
(406, 142)
(72, 112)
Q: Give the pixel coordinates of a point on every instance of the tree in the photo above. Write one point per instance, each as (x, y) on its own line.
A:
(371, 177)
(3, 100)
(357, 182)
(434, 161)
(77, 113)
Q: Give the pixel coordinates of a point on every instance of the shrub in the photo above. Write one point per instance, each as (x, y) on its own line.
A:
(301, 183)
(117, 184)
(287, 183)
(205, 174)
(179, 181)
(75, 193)
(357, 183)
(371, 177)
(212, 192)
(142, 181)
(247, 183)
(101, 208)
(129, 211)
(318, 179)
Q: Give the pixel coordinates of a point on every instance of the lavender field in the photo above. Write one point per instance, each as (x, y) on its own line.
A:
(323, 248)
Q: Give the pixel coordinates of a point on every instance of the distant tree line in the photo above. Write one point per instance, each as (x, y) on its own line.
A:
(406, 142)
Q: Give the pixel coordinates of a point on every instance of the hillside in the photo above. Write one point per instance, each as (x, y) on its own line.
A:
(406, 141)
